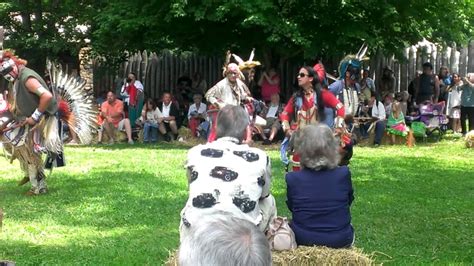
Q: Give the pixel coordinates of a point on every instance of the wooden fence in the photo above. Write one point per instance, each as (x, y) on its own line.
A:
(458, 60)
(159, 72)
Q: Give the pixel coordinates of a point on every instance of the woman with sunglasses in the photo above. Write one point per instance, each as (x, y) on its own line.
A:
(306, 106)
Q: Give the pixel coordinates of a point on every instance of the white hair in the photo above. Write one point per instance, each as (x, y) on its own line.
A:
(232, 121)
(317, 147)
(224, 240)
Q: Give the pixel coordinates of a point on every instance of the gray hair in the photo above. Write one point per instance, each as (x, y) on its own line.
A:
(232, 121)
(317, 147)
(225, 240)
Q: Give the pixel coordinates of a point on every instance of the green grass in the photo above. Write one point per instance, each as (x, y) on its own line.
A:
(120, 205)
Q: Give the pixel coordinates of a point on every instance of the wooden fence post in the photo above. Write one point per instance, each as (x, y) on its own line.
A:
(470, 57)
(463, 61)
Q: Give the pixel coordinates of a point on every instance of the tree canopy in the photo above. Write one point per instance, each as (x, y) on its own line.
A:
(276, 28)
(40, 28)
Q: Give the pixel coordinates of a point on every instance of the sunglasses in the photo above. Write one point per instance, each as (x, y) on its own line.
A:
(302, 75)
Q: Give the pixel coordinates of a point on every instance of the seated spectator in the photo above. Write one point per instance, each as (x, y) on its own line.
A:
(375, 111)
(151, 119)
(224, 240)
(271, 115)
(226, 175)
(114, 119)
(396, 122)
(320, 195)
(196, 114)
(170, 113)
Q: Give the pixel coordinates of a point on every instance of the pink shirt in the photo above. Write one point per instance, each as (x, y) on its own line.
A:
(269, 89)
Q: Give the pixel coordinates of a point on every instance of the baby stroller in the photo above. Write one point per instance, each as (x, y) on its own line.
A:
(430, 121)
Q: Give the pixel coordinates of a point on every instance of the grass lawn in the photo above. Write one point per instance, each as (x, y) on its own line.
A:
(120, 205)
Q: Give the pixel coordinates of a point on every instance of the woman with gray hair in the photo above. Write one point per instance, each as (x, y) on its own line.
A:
(320, 195)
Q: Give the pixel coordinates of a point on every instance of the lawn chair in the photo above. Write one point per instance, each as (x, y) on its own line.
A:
(434, 121)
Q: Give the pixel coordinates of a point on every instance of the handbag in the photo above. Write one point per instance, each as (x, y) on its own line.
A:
(280, 235)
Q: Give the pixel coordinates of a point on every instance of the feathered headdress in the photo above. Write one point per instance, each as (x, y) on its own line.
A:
(249, 64)
(353, 63)
(76, 105)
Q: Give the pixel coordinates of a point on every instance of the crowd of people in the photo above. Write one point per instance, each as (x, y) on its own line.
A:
(230, 209)
(368, 107)
(229, 181)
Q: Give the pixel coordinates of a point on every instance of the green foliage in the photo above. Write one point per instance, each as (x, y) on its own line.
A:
(281, 28)
(117, 205)
(36, 29)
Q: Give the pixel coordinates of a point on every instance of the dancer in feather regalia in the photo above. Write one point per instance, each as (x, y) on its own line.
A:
(31, 117)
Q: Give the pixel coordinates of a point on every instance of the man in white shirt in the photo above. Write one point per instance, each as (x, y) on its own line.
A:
(228, 176)
(170, 114)
(376, 111)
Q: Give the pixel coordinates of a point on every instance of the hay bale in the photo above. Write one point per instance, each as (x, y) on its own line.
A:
(469, 139)
(321, 256)
(308, 256)
(120, 136)
(185, 133)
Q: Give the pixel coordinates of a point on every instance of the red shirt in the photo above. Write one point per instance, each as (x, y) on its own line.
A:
(329, 100)
(132, 92)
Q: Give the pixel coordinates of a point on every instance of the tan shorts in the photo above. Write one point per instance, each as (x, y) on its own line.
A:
(121, 125)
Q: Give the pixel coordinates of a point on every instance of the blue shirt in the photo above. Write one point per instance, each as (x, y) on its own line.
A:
(320, 205)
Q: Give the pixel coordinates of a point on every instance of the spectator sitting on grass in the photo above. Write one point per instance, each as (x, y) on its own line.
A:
(151, 118)
(224, 240)
(170, 113)
(196, 114)
(271, 114)
(114, 119)
(226, 175)
(396, 122)
(320, 195)
(375, 111)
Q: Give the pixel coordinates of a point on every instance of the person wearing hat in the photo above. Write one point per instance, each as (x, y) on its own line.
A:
(427, 86)
(229, 91)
